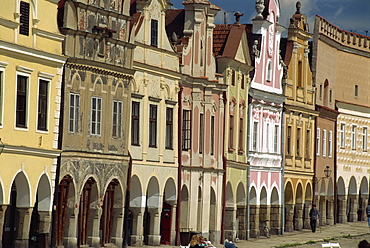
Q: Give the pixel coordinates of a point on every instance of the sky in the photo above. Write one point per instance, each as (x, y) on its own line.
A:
(350, 15)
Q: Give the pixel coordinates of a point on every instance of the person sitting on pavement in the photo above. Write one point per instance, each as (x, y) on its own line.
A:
(194, 243)
(314, 216)
(229, 244)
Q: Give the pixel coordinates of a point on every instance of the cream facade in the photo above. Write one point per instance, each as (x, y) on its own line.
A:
(299, 132)
(346, 88)
(31, 65)
(234, 62)
(153, 137)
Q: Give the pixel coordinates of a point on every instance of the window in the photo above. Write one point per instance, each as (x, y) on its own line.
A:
(320, 91)
(269, 71)
(318, 142)
(356, 91)
(169, 128)
(117, 119)
(276, 138)
(201, 133)
(342, 135)
(308, 143)
(298, 142)
(241, 134)
(154, 33)
(255, 133)
(364, 139)
(153, 125)
(24, 27)
(212, 135)
(135, 123)
(74, 112)
(289, 141)
(186, 130)
(324, 143)
(96, 115)
(42, 117)
(267, 141)
(231, 132)
(21, 115)
(353, 137)
(242, 81)
(300, 74)
(330, 144)
(233, 78)
(330, 96)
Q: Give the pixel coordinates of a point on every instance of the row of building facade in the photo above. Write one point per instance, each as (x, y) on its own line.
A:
(133, 123)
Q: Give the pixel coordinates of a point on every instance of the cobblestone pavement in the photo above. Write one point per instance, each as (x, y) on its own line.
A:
(347, 235)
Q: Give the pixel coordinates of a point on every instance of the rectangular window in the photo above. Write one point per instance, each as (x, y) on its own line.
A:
(135, 123)
(318, 142)
(243, 81)
(241, 134)
(255, 133)
(300, 74)
(267, 141)
(330, 144)
(186, 130)
(169, 128)
(212, 135)
(117, 119)
(154, 33)
(353, 137)
(74, 112)
(153, 125)
(276, 138)
(233, 78)
(21, 115)
(308, 143)
(42, 117)
(330, 96)
(201, 133)
(231, 132)
(356, 91)
(342, 135)
(289, 141)
(320, 91)
(324, 143)
(364, 139)
(269, 72)
(298, 148)
(96, 106)
(24, 27)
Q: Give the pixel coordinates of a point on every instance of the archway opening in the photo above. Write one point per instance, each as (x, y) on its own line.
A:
(241, 212)
(169, 200)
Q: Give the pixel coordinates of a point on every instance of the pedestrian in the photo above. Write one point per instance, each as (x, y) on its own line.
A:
(314, 216)
(368, 214)
(194, 243)
(363, 244)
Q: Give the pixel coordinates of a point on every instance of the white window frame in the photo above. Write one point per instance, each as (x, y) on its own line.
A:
(324, 142)
(2, 90)
(117, 118)
(330, 144)
(26, 72)
(353, 137)
(364, 139)
(269, 71)
(342, 135)
(276, 138)
(267, 137)
(254, 139)
(45, 77)
(76, 113)
(318, 142)
(98, 116)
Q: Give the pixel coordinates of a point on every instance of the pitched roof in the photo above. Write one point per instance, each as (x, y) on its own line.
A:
(220, 35)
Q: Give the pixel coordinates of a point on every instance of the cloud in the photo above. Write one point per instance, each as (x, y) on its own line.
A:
(338, 12)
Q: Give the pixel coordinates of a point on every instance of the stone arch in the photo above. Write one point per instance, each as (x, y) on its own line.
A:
(308, 193)
(299, 194)
(263, 196)
(212, 215)
(352, 200)
(184, 207)
(23, 190)
(98, 85)
(170, 191)
(341, 187)
(65, 217)
(363, 197)
(254, 212)
(264, 212)
(76, 81)
(118, 89)
(289, 207)
(241, 211)
(136, 193)
(298, 208)
(152, 210)
(341, 204)
(275, 212)
(275, 199)
(44, 194)
(229, 195)
(253, 196)
(153, 195)
(167, 230)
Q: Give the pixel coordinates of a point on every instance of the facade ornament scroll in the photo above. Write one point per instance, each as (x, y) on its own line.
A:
(295, 48)
(187, 99)
(299, 122)
(290, 119)
(308, 124)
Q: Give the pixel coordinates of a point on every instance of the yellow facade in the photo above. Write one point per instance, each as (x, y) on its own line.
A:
(29, 117)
